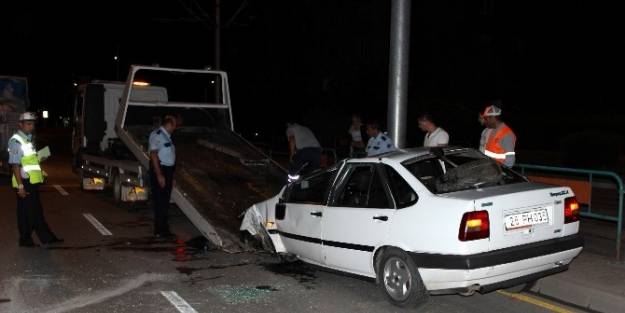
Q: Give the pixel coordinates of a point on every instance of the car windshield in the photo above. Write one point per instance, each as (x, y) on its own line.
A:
(457, 170)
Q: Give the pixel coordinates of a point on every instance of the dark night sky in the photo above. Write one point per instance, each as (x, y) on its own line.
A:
(555, 65)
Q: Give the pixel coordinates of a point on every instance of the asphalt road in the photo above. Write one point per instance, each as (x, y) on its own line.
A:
(128, 271)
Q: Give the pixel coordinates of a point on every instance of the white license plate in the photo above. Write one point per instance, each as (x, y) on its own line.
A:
(527, 219)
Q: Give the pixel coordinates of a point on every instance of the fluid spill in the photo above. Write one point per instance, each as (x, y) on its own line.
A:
(5, 300)
(190, 270)
(299, 271)
(268, 288)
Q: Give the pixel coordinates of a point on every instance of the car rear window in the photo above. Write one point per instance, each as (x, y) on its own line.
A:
(460, 170)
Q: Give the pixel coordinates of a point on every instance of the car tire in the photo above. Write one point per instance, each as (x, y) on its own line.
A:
(521, 287)
(400, 281)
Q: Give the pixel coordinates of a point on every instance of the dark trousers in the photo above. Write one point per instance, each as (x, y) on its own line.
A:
(305, 161)
(160, 198)
(30, 216)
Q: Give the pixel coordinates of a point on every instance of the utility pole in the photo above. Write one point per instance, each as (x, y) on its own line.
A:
(217, 34)
(398, 71)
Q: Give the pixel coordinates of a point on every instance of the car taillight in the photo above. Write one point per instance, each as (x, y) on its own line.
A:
(571, 210)
(474, 225)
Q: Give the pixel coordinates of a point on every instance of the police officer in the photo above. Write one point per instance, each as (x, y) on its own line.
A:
(27, 176)
(162, 165)
(378, 143)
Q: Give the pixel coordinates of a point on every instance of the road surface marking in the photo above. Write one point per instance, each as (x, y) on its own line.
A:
(178, 302)
(535, 301)
(61, 190)
(97, 224)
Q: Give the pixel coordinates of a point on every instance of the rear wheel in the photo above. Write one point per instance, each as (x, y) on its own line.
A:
(400, 280)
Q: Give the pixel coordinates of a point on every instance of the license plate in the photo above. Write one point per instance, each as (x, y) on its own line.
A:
(527, 219)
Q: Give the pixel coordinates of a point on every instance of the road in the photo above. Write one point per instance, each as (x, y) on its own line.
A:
(118, 267)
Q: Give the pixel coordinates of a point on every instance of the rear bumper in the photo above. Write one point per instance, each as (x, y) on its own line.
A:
(504, 268)
(497, 257)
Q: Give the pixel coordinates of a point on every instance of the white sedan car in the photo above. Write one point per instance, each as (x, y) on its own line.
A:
(424, 221)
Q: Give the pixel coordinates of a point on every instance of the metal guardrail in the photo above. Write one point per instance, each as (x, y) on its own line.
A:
(590, 174)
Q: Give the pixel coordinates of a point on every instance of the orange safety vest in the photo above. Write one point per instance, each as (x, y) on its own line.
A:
(493, 146)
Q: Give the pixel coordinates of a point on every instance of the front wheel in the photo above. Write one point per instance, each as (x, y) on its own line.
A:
(400, 280)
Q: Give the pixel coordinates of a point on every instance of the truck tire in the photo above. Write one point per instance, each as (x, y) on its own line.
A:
(81, 176)
(400, 281)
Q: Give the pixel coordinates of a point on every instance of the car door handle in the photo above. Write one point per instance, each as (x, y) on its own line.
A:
(317, 214)
(381, 218)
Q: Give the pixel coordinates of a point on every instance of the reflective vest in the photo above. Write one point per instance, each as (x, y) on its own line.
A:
(493, 147)
(29, 161)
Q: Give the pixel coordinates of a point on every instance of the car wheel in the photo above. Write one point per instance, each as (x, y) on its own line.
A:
(521, 287)
(400, 280)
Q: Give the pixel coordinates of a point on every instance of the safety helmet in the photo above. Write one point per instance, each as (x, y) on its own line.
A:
(28, 116)
(492, 110)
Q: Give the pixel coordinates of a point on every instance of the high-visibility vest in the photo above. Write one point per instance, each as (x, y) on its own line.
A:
(493, 147)
(29, 161)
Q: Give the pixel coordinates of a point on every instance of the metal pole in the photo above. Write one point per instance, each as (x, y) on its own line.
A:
(619, 227)
(398, 71)
(217, 34)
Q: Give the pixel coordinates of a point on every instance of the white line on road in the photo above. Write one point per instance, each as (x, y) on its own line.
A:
(178, 302)
(97, 224)
(61, 190)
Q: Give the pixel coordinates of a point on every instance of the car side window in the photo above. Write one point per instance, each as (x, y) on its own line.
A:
(363, 189)
(311, 190)
(404, 195)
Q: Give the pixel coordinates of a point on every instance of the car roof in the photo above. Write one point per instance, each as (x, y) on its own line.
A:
(401, 155)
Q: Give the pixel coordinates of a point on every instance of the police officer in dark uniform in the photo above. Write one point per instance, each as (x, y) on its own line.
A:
(27, 176)
(162, 165)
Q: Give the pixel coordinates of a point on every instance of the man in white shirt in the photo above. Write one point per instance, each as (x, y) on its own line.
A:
(304, 150)
(434, 135)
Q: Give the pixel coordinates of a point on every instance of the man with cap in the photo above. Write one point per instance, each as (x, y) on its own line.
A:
(501, 140)
(26, 178)
(162, 165)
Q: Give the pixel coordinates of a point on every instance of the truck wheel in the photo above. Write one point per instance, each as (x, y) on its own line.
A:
(117, 189)
(400, 280)
(81, 176)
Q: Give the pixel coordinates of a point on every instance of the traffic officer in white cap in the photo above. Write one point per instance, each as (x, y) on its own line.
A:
(27, 176)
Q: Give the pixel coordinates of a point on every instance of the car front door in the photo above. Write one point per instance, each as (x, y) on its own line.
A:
(299, 217)
(357, 218)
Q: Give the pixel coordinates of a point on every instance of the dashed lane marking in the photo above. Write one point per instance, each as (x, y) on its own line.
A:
(61, 190)
(178, 302)
(89, 217)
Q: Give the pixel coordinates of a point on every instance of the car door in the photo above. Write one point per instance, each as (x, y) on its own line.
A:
(356, 219)
(298, 217)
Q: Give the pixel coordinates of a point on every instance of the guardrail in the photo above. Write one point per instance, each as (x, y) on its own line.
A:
(590, 174)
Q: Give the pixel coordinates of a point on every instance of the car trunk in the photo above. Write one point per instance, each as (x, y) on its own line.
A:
(520, 213)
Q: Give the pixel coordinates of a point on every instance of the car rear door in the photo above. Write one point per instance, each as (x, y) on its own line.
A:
(356, 219)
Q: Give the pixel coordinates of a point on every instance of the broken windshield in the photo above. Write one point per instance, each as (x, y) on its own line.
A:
(463, 170)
